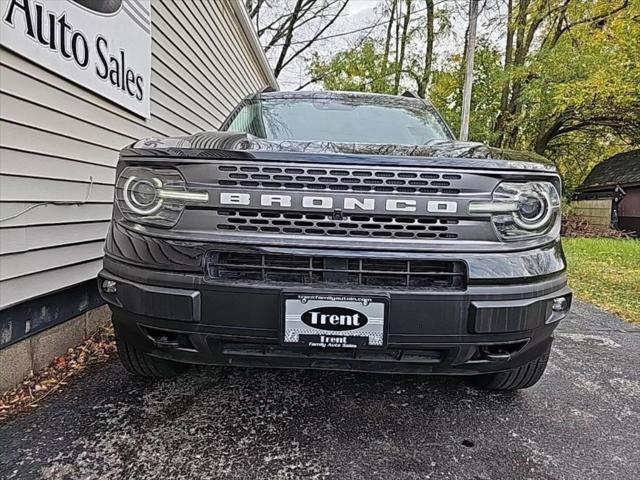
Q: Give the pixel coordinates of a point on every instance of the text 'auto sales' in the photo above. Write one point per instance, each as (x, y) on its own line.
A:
(56, 33)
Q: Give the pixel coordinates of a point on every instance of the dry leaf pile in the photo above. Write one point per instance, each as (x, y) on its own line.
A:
(576, 226)
(34, 388)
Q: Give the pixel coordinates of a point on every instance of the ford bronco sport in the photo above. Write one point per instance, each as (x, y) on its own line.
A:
(340, 231)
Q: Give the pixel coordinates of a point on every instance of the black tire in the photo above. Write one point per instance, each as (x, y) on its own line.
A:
(144, 365)
(515, 379)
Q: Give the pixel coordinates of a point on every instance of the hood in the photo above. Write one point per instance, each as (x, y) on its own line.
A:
(436, 153)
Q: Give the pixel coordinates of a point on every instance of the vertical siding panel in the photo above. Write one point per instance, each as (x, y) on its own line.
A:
(214, 43)
(244, 54)
(218, 21)
(59, 141)
(189, 58)
(200, 48)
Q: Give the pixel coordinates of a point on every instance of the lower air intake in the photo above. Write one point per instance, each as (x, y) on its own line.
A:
(336, 271)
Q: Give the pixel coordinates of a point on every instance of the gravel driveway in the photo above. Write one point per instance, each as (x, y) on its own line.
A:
(581, 421)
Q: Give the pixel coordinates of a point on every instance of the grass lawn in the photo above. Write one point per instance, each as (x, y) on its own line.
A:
(606, 272)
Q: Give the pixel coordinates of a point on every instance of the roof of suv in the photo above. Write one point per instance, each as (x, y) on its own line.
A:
(324, 94)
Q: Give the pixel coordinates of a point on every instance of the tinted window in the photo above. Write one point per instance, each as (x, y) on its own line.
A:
(388, 120)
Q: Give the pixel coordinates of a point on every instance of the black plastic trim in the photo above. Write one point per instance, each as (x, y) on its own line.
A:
(39, 314)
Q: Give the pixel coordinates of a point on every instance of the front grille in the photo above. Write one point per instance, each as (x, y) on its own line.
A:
(259, 201)
(339, 179)
(356, 225)
(335, 271)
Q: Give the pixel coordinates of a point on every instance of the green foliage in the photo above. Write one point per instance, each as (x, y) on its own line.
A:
(588, 86)
(360, 69)
(446, 92)
(605, 272)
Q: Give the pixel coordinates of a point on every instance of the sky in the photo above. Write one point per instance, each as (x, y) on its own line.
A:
(363, 13)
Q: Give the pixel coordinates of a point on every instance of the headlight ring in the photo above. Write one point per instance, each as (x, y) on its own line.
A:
(540, 218)
(134, 199)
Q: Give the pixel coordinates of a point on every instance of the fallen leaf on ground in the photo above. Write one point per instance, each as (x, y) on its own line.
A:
(31, 391)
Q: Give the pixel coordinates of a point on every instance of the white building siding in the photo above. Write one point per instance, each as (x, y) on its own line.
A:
(59, 142)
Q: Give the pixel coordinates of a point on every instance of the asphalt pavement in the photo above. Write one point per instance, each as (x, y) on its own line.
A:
(582, 421)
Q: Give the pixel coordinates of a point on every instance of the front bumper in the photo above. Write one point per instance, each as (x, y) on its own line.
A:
(184, 317)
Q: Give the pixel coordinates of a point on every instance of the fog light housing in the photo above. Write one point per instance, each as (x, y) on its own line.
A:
(560, 304)
(109, 286)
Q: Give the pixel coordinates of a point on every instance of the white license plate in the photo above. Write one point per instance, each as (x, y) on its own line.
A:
(334, 321)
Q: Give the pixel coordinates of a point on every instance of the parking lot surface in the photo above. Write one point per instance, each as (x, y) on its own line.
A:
(582, 421)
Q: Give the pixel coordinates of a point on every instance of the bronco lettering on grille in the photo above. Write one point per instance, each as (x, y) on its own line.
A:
(346, 203)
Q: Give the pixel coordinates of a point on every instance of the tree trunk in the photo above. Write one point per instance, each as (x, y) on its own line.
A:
(396, 57)
(428, 56)
(403, 45)
(506, 88)
(387, 41)
(520, 56)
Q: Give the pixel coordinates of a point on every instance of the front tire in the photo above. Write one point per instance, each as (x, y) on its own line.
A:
(143, 365)
(524, 376)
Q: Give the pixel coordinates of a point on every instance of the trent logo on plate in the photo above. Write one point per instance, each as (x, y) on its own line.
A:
(334, 318)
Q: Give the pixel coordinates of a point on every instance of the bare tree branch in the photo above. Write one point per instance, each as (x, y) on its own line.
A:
(315, 37)
(291, 25)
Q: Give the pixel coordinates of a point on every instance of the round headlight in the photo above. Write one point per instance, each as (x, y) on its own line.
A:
(530, 208)
(534, 210)
(141, 195)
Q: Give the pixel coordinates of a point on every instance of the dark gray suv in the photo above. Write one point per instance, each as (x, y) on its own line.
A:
(336, 230)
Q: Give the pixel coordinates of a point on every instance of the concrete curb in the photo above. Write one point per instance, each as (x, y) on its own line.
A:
(36, 352)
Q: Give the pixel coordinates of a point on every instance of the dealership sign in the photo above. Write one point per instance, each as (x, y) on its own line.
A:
(103, 45)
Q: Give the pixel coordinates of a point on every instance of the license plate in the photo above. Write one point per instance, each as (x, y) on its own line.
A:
(334, 321)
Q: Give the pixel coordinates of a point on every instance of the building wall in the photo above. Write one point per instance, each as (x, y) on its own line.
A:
(629, 211)
(59, 142)
(596, 212)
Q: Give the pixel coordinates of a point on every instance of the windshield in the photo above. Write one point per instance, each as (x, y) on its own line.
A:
(351, 120)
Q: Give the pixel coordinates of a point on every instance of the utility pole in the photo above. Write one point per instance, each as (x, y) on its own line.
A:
(468, 74)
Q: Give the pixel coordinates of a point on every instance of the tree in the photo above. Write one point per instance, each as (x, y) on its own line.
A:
(359, 69)
(422, 39)
(572, 94)
(387, 40)
(446, 91)
(423, 81)
(291, 28)
(534, 28)
(589, 81)
(412, 28)
(402, 37)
